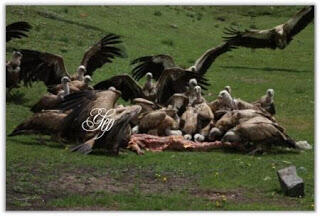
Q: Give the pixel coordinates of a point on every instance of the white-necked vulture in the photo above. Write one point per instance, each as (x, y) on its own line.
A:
(267, 102)
(277, 37)
(50, 68)
(171, 81)
(157, 64)
(17, 30)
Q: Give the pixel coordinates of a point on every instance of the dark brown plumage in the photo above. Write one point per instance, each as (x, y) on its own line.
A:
(158, 64)
(17, 30)
(50, 68)
(277, 37)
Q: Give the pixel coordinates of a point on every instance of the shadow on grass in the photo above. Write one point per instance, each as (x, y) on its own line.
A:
(265, 69)
(51, 15)
(16, 97)
(36, 141)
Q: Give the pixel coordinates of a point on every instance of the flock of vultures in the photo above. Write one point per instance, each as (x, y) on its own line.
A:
(167, 112)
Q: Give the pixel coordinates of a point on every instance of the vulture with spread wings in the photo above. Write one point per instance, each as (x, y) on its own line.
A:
(17, 30)
(171, 81)
(50, 68)
(157, 64)
(277, 37)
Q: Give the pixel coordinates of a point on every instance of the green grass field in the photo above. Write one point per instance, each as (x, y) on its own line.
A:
(46, 176)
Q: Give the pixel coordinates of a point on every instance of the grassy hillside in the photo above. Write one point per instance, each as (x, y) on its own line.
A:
(47, 176)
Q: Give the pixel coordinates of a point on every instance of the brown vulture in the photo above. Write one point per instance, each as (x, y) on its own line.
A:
(47, 122)
(118, 136)
(277, 37)
(13, 71)
(171, 81)
(51, 101)
(50, 68)
(82, 103)
(74, 85)
(266, 102)
(17, 30)
(260, 131)
(158, 64)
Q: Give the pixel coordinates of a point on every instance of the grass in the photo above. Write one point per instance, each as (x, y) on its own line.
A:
(47, 176)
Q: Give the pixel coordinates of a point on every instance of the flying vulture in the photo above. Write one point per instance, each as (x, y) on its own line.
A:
(158, 64)
(17, 30)
(278, 37)
(50, 68)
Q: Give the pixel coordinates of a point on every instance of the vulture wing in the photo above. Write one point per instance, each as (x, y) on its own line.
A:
(299, 21)
(17, 30)
(102, 52)
(41, 66)
(129, 88)
(154, 64)
(250, 38)
(205, 61)
(175, 80)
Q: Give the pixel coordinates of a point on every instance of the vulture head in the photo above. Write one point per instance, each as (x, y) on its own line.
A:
(149, 76)
(81, 71)
(281, 37)
(225, 97)
(228, 89)
(193, 83)
(270, 93)
(87, 79)
(65, 80)
(16, 55)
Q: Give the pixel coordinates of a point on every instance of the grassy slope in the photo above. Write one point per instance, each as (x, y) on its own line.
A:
(37, 174)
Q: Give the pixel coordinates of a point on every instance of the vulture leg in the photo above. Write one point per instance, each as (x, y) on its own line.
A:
(170, 132)
(187, 137)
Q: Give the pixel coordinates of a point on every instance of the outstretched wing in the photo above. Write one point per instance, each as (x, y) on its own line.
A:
(175, 80)
(17, 30)
(41, 66)
(250, 38)
(205, 61)
(102, 52)
(129, 88)
(154, 64)
(299, 21)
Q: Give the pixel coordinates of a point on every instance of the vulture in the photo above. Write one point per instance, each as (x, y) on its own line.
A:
(13, 71)
(158, 64)
(17, 30)
(266, 102)
(74, 85)
(82, 104)
(51, 101)
(277, 37)
(47, 122)
(50, 68)
(159, 122)
(188, 122)
(259, 130)
(118, 135)
(233, 118)
(170, 82)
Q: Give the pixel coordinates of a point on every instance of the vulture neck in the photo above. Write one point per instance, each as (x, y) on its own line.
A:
(66, 89)
(80, 76)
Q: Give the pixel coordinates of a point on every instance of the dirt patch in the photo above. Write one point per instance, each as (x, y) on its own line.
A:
(213, 195)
